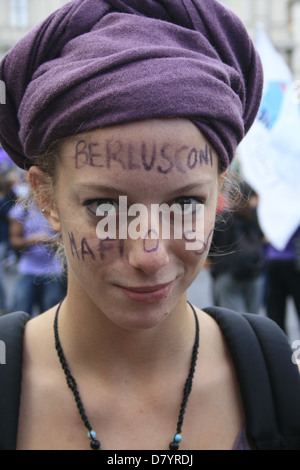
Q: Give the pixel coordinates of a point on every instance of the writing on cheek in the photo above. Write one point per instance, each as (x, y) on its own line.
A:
(106, 248)
(73, 245)
(206, 243)
(110, 246)
(83, 250)
(141, 156)
(86, 250)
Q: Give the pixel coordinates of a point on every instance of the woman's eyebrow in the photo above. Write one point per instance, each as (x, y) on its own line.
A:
(196, 185)
(99, 187)
(118, 190)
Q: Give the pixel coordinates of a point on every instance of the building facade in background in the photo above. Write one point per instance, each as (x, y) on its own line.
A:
(281, 21)
(19, 16)
(279, 18)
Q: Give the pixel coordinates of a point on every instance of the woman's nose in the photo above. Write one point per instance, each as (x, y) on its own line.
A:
(149, 254)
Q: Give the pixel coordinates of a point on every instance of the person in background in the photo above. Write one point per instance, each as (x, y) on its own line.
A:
(237, 256)
(283, 279)
(7, 199)
(40, 284)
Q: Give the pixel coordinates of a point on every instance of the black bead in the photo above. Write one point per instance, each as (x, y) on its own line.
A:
(174, 446)
(95, 445)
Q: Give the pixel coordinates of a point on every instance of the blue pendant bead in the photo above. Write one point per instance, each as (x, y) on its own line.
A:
(95, 444)
(174, 445)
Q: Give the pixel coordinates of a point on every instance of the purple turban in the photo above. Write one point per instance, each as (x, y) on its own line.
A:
(95, 63)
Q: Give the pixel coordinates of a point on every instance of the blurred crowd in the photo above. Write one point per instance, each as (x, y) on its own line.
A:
(248, 274)
(32, 277)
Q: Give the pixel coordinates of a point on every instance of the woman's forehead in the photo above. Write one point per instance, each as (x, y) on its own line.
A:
(154, 129)
(157, 146)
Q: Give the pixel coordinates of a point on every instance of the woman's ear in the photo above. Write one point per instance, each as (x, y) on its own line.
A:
(42, 188)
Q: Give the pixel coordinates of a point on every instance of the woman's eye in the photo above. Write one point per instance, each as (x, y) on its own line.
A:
(187, 205)
(103, 206)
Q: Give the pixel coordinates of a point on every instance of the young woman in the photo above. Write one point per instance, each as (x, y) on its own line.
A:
(120, 105)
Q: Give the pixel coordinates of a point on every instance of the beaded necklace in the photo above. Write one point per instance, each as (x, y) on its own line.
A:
(71, 382)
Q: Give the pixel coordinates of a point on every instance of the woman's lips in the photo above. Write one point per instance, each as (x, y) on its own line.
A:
(147, 293)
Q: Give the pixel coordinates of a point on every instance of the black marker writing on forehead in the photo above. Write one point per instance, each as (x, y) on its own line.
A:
(141, 156)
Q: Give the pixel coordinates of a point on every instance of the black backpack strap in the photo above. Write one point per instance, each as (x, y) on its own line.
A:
(11, 333)
(269, 380)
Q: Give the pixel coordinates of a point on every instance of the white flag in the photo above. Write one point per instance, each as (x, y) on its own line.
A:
(270, 153)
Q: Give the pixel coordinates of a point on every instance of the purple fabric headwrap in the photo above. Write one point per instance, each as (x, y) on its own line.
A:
(96, 63)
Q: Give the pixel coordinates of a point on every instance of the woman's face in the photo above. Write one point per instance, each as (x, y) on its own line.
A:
(137, 275)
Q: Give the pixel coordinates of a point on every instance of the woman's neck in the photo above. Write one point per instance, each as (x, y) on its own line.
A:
(92, 341)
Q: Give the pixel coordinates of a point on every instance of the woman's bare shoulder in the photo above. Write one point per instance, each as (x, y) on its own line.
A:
(39, 336)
